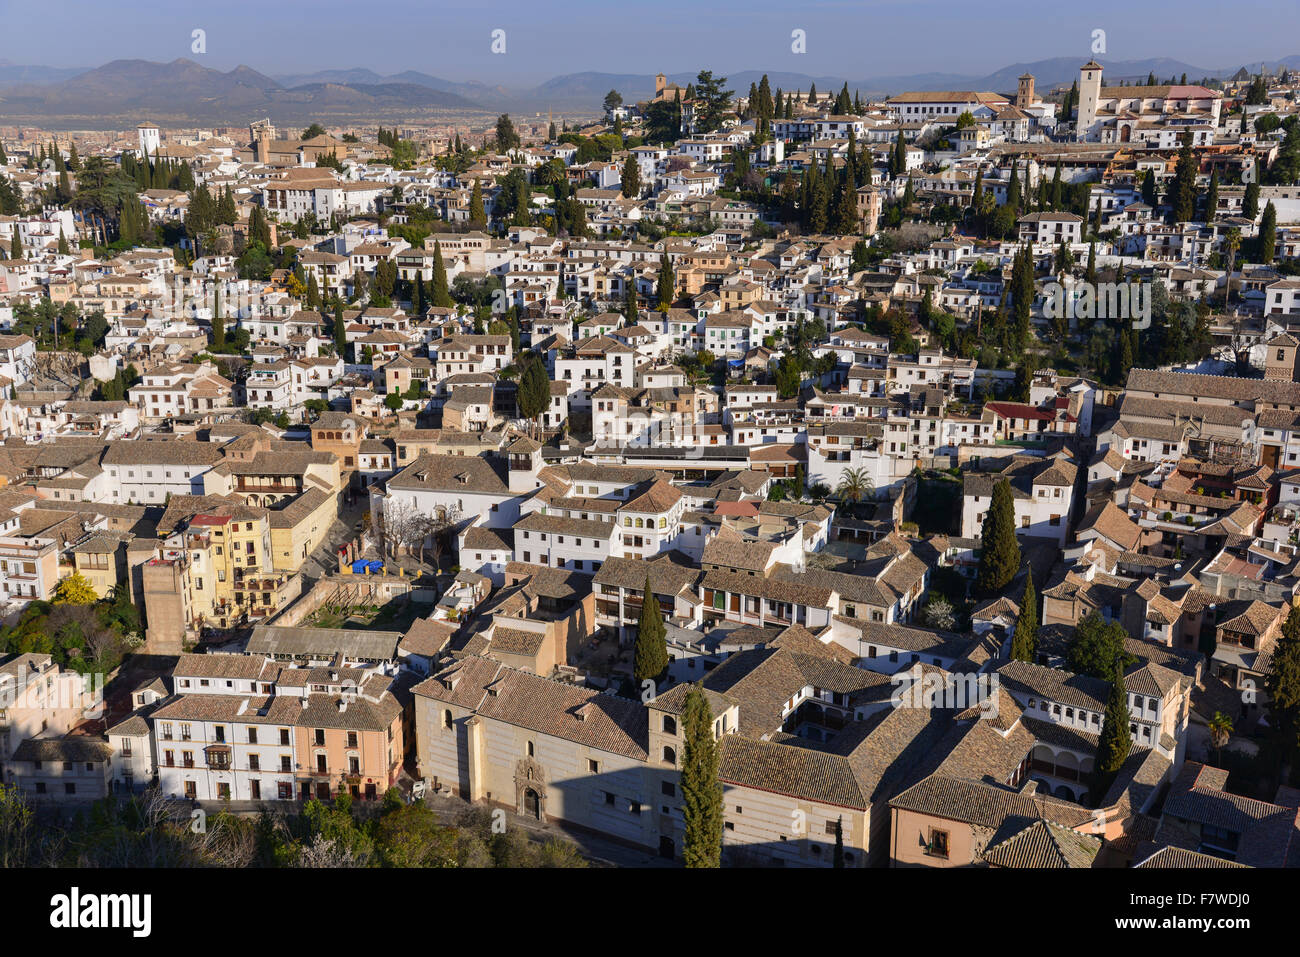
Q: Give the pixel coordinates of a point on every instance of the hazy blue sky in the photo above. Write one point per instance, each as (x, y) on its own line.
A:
(452, 40)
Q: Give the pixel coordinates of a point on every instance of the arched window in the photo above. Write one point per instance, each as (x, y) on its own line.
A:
(663, 522)
(446, 718)
(670, 756)
(670, 724)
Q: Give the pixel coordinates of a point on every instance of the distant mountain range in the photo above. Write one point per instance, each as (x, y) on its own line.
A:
(119, 94)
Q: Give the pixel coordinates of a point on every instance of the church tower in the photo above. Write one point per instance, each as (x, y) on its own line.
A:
(1025, 92)
(1089, 94)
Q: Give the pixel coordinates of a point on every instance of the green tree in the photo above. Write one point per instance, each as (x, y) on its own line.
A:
(218, 321)
(534, 393)
(631, 185)
(1283, 682)
(1000, 551)
(1182, 192)
(1098, 647)
(1250, 202)
(651, 655)
(507, 138)
(712, 101)
(665, 288)
(1266, 241)
(1024, 641)
(340, 330)
(1115, 741)
(701, 789)
(854, 486)
(441, 294)
(477, 216)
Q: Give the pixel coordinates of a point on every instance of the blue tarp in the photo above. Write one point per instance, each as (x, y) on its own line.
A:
(359, 566)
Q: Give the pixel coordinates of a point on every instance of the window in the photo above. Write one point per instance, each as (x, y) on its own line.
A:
(252, 736)
(938, 846)
(447, 719)
(593, 766)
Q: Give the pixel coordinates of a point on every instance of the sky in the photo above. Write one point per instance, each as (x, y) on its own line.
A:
(545, 38)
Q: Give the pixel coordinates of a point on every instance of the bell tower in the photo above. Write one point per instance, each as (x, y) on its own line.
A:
(1089, 95)
(1025, 92)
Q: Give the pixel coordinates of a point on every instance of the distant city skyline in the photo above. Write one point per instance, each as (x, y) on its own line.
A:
(849, 39)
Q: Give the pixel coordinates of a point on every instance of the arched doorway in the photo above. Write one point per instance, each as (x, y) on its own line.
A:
(667, 848)
(530, 789)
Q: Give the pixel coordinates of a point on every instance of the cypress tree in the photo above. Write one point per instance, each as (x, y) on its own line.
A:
(218, 323)
(340, 330)
(1013, 189)
(64, 250)
(1283, 681)
(313, 293)
(1149, 189)
(1115, 741)
(631, 177)
(1212, 196)
(1250, 202)
(1090, 273)
(1267, 238)
(630, 314)
(838, 860)
(1000, 552)
(1024, 640)
(701, 789)
(441, 293)
(665, 288)
(4, 158)
(476, 211)
(651, 656)
(534, 396)
(16, 245)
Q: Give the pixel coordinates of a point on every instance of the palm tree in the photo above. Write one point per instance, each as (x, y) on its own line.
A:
(855, 485)
(1233, 242)
(1220, 731)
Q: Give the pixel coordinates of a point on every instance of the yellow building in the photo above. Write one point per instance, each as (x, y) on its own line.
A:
(232, 572)
(101, 560)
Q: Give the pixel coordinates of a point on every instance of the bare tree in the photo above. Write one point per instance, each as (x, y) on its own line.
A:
(327, 852)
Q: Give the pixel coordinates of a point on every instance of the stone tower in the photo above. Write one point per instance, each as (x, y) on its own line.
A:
(1089, 94)
(661, 82)
(1025, 92)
